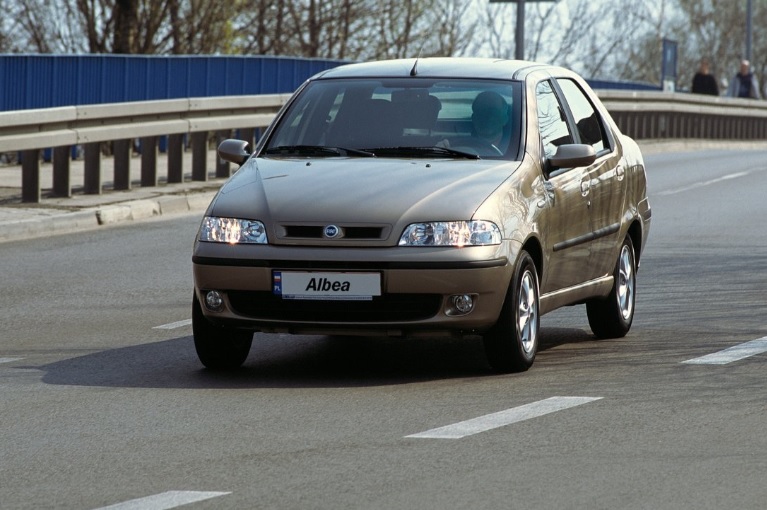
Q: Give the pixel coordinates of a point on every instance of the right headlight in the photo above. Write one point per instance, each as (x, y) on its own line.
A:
(232, 231)
(451, 233)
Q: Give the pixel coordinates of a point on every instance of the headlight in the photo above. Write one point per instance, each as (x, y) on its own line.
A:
(232, 231)
(451, 233)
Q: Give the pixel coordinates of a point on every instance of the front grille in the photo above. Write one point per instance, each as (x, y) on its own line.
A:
(387, 308)
(315, 232)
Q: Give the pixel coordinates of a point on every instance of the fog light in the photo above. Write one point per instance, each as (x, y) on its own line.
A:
(214, 301)
(461, 304)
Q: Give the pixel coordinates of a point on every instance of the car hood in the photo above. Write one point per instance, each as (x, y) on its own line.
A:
(391, 192)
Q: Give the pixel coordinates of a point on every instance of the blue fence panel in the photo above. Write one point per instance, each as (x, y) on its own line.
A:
(178, 76)
(45, 81)
(91, 74)
(13, 77)
(66, 83)
(217, 75)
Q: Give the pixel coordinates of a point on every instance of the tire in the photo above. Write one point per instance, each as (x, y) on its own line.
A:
(611, 317)
(218, 348)
(511, 345)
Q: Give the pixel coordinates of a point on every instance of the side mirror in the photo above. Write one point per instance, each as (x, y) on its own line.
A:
(572, 155)
(234, 151)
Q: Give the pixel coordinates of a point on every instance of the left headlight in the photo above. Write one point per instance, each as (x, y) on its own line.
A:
(451, 233)
(232, 231)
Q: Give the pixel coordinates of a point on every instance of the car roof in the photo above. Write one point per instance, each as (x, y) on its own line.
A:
(439, 67)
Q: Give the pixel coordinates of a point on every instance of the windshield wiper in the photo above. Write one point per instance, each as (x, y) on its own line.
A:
(318, 150)
(424, 152)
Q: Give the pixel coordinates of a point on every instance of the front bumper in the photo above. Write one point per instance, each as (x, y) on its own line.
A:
(416, 284)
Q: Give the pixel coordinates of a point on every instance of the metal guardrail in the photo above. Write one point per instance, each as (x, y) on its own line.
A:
(30, 131)
(663, 115)
(641, 115)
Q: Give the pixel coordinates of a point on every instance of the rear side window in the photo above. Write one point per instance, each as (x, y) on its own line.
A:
(590, 129)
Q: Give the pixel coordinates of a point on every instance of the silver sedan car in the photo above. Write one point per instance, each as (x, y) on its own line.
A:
(418, 197)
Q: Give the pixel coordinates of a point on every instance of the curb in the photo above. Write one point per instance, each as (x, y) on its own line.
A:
(56, 223)
(30, 228)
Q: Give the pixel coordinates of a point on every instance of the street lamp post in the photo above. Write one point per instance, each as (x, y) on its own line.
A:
(749, 33)
(519, 33)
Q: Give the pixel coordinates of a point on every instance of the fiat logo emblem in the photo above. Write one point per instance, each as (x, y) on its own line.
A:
(332, 231)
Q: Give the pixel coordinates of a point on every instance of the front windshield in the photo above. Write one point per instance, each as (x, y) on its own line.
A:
(403, 117)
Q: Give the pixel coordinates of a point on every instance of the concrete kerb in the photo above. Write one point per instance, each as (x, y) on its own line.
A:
(45, 225)
(148, 208)
(29, 223)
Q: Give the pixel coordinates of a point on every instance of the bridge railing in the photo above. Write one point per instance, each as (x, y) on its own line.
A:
(640, 114)
(182, 120)
(663, 115)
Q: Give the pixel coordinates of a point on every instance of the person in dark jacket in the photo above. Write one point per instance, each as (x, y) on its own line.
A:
(704, 82)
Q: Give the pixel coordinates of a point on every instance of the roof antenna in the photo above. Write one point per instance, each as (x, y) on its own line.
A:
(414, 70)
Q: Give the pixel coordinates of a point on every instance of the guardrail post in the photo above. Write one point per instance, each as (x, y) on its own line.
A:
(175, 158)
(200, 156)
(30, 176)
(92, 160)
(222, 167)
(122, 149)
(62, 183)
(248, 134)
(149, 161)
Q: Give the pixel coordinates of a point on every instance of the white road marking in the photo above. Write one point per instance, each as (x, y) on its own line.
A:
(166, 500)
(9, 360)
(503, 418)
(735, 353)
(702, 184)
(174, 325)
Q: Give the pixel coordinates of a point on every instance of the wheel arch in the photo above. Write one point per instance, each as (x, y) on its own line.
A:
(533, 247)
(635, 232)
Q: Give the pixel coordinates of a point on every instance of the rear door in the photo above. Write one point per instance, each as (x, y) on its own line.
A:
(606, 180)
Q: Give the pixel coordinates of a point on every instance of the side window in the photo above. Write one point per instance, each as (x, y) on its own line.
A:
(551, 119)
(590, 127)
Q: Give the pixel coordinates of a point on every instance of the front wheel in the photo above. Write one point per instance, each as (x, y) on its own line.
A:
(218, 348)
(611, 317)
(511, 345)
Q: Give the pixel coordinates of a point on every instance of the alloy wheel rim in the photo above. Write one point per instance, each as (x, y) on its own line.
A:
(625, 287)
(527, 312)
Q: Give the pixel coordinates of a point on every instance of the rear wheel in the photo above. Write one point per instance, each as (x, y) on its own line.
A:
(218, 348)
(511, 345)
(611, 317)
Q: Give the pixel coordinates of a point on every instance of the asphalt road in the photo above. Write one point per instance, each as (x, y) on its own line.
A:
(103, 401)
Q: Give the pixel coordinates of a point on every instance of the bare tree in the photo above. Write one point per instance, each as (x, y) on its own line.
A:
(125, 26)
(197, 26)
(497, 21)
(41, 26)
(261, 27)
(616, 39)
(455, 28)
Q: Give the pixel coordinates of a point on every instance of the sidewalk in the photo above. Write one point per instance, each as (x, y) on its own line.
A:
(52, 216)
(19, 221)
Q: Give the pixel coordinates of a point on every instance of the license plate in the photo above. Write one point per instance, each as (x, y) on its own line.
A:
(326, 286)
